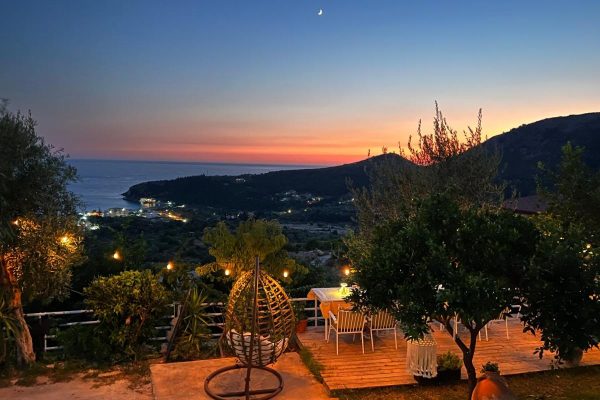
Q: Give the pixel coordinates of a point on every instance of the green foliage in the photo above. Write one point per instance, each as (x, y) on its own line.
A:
(448, 361)
(564, 282)
(237, 251)
(490, 367)
(34, 176)
(37, 212)
(572, 191)
(132, 250)
(563, 289)
(87, 342)
(441, 162)
(314, 366)
(194, 340)
(445, 261)
(476, 255)
(299, 310)
(129, 304)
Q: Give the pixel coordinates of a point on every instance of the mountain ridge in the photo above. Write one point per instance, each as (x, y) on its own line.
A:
(521, 149)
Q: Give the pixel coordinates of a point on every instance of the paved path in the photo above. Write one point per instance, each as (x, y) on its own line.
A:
(185, 380)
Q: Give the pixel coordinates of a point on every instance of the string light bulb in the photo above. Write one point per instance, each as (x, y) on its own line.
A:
(227, 272)
(286, 274)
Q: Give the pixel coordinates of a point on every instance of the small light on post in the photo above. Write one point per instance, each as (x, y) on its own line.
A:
(170, 265)
(117, 255)
(286, 274)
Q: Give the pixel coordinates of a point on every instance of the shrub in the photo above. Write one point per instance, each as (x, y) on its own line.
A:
(490, 367)
(128, 305)
(448, 361)
(194, 339)
(86, 342)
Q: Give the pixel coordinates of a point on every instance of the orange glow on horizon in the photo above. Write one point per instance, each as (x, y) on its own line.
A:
(321, 142)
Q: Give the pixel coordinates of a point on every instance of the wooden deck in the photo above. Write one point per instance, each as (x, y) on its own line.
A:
(387, 366)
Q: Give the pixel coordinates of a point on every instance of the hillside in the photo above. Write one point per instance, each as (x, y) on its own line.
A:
(269, 191)
(521, 148)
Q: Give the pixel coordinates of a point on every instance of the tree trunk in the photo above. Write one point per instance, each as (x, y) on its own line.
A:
(25, 353)
(468, 352)
(471, 373)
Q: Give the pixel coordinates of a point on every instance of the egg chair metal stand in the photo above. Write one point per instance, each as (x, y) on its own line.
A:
(259, 324)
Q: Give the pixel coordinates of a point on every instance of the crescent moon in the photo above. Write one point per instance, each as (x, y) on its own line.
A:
(320, 12)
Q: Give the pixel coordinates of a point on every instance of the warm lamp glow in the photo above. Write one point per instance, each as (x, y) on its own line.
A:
(117, 255)
(170, 265)
(65, 240)
(227, 272)
(346, 271)
(285, 274)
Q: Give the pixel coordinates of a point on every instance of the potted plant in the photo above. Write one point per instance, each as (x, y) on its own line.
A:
(448, 370)
(491, 385)
(449, 367)
(490, 368)
(300, 314)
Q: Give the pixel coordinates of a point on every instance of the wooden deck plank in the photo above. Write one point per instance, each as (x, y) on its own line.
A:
(386, 366)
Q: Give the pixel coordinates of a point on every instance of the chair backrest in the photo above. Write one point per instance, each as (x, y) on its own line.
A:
(383, 320)
(350, 321)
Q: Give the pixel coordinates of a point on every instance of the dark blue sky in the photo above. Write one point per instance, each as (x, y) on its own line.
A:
(270, 81)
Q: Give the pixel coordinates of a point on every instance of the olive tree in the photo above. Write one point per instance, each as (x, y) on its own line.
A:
(440, 161)
(39, 237)
(446, 262)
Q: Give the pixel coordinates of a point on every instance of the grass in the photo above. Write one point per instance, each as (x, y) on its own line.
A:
(563, 384)
(313, 365)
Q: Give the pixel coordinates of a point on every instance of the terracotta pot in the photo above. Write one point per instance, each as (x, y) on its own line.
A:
(492, 386)
(301, 325)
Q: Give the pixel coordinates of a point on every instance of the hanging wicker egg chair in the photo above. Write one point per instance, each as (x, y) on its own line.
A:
(259, 324)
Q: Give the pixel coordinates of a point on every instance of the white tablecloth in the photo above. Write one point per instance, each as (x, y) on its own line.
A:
(421, 357)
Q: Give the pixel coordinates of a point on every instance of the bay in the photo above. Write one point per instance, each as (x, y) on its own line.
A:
(102, 182)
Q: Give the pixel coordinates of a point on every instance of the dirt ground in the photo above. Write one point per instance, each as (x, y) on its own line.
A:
(109, 385)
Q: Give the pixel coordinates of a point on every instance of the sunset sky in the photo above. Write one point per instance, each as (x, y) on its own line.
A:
(258, 81)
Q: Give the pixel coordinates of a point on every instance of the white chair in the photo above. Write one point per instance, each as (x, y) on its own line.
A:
(382, 321)
(346, 323)
(503, 317)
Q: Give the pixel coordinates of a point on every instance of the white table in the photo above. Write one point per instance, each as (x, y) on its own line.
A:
(331, 299)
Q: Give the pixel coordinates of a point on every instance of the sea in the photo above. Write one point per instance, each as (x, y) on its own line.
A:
(101, 183)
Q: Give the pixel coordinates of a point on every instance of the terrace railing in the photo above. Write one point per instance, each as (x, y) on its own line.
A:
(65, 319)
